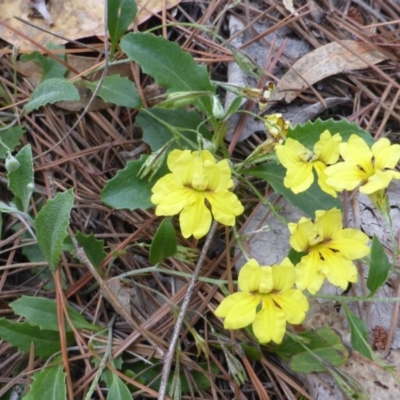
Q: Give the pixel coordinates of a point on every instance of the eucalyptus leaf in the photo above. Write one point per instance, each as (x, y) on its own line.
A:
(51, 226)
(127, 190)
(358, 332)
(379, 267)
(43, 312)
(311, 200)
(21, 181)
(168, 64)
(48, 384)
(51, 91)
(117, 90)
(164, 243)
(120, 14)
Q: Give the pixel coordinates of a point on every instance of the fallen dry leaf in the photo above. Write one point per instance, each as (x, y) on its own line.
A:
(325, 61)
(72, 19)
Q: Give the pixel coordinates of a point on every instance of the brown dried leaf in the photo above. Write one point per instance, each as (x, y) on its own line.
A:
(73, 19)
(325, 61)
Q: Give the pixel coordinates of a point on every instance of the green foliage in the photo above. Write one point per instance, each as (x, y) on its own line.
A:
(50, 67)
(118, 390)
(164, 243)
(127, 190)
(309, 133)
(48, 384)
(313, 351)
(51, 226)
(156, 132)
(43, 312)
(309, 201)
(22, 334)
(10, 138)
(358, 331)
(94, 249)
(120, 14)
(379, 267)
(21, 181)
(117, 90)
(168, 64)
(51, 91)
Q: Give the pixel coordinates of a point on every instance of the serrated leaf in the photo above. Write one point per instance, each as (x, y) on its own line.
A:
(22, 334)
(43, 312)
(48, 384)
(309, 133)
(118, 390)
(309, 201)
(164, 243)
(120, 14)
(94, 249)
(358, 332)
(127, 190)
(156, 134)
(51, 91)
(10, 138)
(379, 267)
(21, 181)
(323, 344)
(117, 90)
(168, 64)
(51, 226)
(50, 67)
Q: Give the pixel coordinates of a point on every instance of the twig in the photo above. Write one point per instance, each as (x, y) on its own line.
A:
(179, 322)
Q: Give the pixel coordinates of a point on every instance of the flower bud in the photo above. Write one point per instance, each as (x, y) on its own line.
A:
(12, 164)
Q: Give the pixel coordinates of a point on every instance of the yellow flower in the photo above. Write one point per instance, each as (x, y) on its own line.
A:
(373, 168)
(194, 178)
(300, 162)
(276, 125)
(330, 249)
(272, 288)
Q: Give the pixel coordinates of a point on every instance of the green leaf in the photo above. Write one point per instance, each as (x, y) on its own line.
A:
(117, 90)
(296, 256)
(10, 138)
(309, 201)
(50, 67)
(120, 14)
(21, 181)
(43, 312)
(379, 268)
(118, 390)
(94, 249)
(48, 384)
(309, 133)
(323, 344)
(358, 332)
(168, 64)
(127, 190)
(22, 334)
(156, 134)
(51, 91)
(51, 226)
(164, 243)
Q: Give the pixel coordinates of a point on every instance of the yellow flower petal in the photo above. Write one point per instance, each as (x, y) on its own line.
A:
(303, 233)
(195, 218)
(270, 323)
(225, 207)
(320, 168)
(386, 155)
(308, 274)
(356, 150)
(338, 269)
(292, 152)
(380, 180)
(253, 278)
(345, 176)
(299, 177)
(350, 242)
(327, 148)
(224, 173)
(283, 276)
(238, 309)
(294, 305)
(328, 223)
